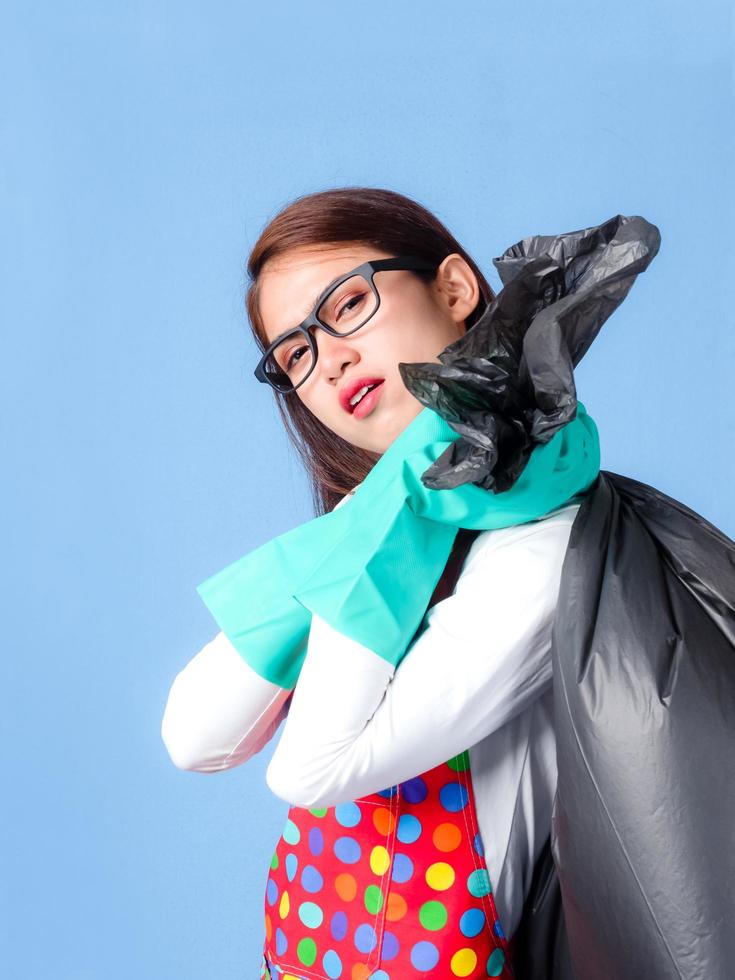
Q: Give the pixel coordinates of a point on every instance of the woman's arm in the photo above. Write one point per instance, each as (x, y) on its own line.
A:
(357, 725)
(219, 711)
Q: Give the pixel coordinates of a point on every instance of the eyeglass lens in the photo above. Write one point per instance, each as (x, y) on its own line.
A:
(345, 310)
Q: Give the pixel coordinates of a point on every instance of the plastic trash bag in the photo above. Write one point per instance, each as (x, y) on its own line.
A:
(644, 702)
(508, 383)
(638, 880)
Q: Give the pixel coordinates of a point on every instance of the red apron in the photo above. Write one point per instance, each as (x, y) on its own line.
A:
(391, 886)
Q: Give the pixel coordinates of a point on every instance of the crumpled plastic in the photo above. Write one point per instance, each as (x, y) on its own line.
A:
(508, 383)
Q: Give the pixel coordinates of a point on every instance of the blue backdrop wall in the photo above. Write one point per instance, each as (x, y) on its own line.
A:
(145, 144)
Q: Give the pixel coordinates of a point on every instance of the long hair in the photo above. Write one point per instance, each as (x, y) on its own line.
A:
(386, 220)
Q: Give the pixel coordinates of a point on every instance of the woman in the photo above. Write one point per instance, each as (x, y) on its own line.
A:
(462, 731)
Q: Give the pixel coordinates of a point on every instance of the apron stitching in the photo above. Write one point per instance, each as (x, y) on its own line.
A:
(303, 970)
(472, 830)
(393, 806)
(393, 801)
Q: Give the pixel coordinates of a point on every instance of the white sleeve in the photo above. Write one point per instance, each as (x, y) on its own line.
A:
(219, 711)
(357, 725)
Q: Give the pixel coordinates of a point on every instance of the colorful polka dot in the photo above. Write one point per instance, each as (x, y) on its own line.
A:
(292, 864)
(271, 892)
(347, 850)
(390, 948)
(440, 876)
(463, 963)
(383, 820)
(281, 941)
(373, 899)
(332, 964)
(345, 886)
(472, 923)
(379, 860)
(478, 883)
(348, 814)
(454, 797)
(365, 938)
(409, 828)
(316, 841)
(397, 907)
(447, 837)
(402, 868)
(414, 790)
(433, 916)
(311, 915)
(291, 833)
(338, 925)
(306, 951)
(311, 879)
(424, 956)
(495, 963)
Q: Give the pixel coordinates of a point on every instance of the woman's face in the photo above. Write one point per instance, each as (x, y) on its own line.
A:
(414, 322)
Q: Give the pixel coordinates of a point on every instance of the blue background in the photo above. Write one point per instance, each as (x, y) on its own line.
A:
(145, 145)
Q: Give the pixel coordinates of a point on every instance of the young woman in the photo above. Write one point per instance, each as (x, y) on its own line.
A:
(420, 795)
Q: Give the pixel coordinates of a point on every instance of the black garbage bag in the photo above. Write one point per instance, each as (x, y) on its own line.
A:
(644, 700)
(638, 877)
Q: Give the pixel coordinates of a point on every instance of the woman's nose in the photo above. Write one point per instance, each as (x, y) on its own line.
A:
(335, 354)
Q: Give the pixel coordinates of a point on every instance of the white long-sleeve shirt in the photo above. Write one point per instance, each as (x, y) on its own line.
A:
(477, 677)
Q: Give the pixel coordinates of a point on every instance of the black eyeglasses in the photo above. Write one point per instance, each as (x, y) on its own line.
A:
(342, 308)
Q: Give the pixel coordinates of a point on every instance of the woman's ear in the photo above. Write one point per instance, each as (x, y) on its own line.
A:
(457, 288)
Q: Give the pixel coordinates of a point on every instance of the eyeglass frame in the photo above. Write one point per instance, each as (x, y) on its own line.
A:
(367, 270)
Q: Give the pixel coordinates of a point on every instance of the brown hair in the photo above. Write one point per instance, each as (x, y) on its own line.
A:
(390, 222)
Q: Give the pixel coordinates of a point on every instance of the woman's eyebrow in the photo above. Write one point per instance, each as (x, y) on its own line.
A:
(313, 304)
(321, 293)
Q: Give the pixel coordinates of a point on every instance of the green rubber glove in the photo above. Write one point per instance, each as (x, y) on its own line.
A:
(370, 567)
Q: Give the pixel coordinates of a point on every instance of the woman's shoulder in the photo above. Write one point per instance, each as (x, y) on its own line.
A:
(546, 536)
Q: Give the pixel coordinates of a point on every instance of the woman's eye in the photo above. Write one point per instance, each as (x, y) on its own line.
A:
(292, 357)
(350, 305)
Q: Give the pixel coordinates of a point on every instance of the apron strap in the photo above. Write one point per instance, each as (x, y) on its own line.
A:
(446, 584)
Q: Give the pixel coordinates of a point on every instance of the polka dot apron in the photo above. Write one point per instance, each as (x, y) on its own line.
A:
(391, 886)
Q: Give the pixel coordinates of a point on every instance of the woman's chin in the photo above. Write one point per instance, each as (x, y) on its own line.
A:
(392, 424)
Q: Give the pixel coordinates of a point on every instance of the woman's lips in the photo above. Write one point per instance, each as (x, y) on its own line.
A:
(367, 402)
